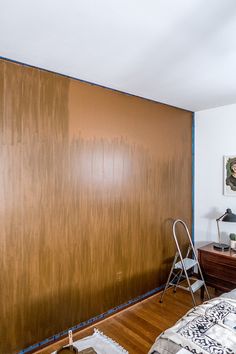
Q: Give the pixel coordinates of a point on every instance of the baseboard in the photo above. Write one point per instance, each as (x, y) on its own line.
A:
(59, 336)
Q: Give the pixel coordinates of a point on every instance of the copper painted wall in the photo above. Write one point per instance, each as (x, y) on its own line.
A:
(89, 180)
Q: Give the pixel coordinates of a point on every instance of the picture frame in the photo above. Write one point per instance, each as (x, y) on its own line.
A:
(230, 175)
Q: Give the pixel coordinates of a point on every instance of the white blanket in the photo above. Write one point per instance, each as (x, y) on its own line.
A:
(209, 328)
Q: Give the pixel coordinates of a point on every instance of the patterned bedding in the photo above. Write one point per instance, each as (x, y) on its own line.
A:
(206, 329)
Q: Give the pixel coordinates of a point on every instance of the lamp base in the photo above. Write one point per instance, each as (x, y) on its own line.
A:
(220, 246)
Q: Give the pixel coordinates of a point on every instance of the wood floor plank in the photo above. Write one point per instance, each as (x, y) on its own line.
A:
(139, 332)
(125, 338)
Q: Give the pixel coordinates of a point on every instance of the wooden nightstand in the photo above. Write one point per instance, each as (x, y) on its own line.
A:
(218, 268)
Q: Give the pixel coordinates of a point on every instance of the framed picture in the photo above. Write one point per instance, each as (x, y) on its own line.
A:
(230, 175)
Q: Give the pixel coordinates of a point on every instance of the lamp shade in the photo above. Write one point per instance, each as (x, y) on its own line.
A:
(229, 216)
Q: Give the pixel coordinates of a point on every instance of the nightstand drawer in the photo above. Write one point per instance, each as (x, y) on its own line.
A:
(218, 259)
(219, 268)
(220, 284)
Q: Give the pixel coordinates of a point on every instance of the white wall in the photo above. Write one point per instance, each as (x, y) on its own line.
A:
(215, 136)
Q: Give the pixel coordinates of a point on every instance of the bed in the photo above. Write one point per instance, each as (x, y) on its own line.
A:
(208, 328)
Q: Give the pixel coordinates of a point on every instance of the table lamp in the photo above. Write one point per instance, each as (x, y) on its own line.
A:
(228, 216)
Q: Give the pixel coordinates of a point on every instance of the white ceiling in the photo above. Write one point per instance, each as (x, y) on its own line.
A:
(179, 52)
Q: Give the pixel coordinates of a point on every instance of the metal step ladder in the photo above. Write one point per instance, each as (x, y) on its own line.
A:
(181, 265)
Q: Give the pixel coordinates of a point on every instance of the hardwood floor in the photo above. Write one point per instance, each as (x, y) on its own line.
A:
(137, 327)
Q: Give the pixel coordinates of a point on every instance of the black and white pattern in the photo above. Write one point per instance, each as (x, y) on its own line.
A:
(206, 329)
(219, 311)
(196, 330)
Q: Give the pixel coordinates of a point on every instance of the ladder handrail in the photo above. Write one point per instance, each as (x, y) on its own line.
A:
(180, 254)
(184, 269)
(192, 247)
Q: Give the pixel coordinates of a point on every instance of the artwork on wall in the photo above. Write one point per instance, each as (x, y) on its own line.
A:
(230, 175)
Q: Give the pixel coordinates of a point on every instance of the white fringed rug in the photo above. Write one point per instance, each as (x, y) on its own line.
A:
(100, 343)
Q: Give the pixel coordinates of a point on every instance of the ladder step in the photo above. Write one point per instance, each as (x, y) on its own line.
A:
(197, 285)
(188, 263)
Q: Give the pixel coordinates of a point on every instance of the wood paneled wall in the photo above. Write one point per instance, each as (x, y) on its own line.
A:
(89, 182)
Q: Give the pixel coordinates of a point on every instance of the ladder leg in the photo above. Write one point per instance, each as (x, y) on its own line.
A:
(204, 284)
(178, 280)
(193, 298)
(169, 277)
(189, 286)
(208, 295)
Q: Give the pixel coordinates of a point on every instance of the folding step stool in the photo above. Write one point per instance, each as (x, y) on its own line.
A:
(183, 265)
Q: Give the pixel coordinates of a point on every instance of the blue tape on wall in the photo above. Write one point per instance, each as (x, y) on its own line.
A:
(83, 324)
(87, 82)
(193, 173)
